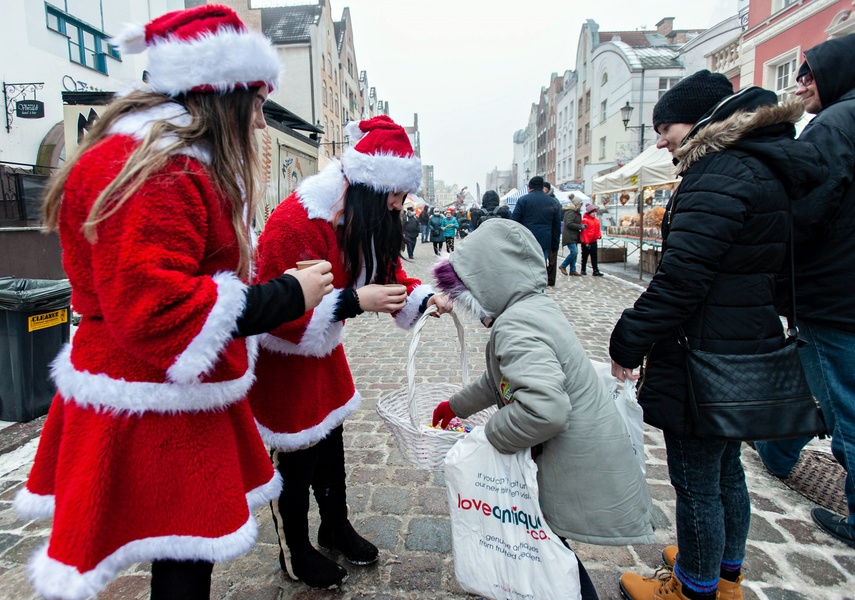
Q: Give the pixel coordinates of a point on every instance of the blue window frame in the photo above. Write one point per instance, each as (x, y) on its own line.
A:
(87, 45)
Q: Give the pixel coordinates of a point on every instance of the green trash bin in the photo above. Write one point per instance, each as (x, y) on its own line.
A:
(35, 322)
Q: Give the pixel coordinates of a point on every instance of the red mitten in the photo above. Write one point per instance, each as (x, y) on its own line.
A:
(442, 414)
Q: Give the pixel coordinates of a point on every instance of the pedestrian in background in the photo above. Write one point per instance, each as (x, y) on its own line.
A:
(824, 221)
(549, 396)
(541, 214)
(724, 242)
(449, 229)
(490, 208)
(475, 214)
(589, 237)
(424, 218)
(437, 237)
(150, 452)
(349, 215)
(570, 236)
(411, 231)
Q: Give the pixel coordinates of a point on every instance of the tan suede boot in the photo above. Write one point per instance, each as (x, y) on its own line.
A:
(727, 590)
(662, 585)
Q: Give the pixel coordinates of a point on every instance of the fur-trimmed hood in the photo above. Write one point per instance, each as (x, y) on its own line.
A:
(753, 122)
(714, 135)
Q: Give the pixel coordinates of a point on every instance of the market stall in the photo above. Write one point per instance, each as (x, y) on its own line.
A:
(643, 185)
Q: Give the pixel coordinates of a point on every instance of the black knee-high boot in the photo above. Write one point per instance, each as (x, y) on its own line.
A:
(336, 531)
(297, 557)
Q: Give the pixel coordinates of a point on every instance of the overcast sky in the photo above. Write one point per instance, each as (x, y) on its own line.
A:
(472, 68)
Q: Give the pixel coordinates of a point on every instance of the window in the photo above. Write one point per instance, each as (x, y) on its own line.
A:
(324, 92)
(587, 133)
(781, 4)
(602, 147)
(87, 46)
(329, 63)
(779, 74)
(785, 76)
(579, 169)
(666, 83)
(605, 78)
(603, 105)
(580, 107)
(579, 137)
(588, 101)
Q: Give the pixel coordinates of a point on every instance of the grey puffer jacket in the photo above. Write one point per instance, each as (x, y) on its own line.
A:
(591, 488)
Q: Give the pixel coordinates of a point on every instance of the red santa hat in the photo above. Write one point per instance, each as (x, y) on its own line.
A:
(203, 49)
(382, 157)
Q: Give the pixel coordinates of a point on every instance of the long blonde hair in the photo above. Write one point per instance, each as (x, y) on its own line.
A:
(221, 123)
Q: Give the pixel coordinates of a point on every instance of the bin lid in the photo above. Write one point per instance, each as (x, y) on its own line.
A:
(34, 294)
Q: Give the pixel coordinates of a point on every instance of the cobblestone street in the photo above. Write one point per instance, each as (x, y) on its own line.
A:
(404, 510)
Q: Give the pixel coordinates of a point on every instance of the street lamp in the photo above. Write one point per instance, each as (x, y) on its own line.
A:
(625, 114)
(527, 173)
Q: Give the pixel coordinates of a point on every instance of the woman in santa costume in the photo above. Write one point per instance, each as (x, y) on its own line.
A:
(349, 215)
(150, 451)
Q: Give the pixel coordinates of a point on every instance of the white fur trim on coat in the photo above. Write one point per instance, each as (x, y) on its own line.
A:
(383, 172)
(54, 579)
(138, 124)
(226, 60)
(101, 392)
(289, 442)
(33, 506)
(267, 492)
(321, 337)
(409, 315)
(200, 356)
(322, 194)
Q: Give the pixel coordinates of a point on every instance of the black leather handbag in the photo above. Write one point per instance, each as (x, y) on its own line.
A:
(755, 396)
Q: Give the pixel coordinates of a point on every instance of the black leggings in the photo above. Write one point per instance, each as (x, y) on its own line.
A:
(437, 247)
(449, 244)
(589, 250)
(181, 580)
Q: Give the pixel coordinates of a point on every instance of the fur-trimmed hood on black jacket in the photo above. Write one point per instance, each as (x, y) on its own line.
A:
(725, 240)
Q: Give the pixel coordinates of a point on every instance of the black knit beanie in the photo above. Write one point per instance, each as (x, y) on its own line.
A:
(803, 70)
(691, 98)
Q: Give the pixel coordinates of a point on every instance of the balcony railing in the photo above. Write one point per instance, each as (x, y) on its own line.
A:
(725, 58)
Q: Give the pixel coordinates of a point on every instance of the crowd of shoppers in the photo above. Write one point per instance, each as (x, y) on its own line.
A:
(187, 329)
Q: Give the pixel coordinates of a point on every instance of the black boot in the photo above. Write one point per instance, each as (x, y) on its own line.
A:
(297, 557)
(336, 532)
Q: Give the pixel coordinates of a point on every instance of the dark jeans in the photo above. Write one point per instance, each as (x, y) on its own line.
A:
(181, 580)
(411, 246)
(425, 233)
(589, 250)
(828, 359)
(713, 509)
(551, 267)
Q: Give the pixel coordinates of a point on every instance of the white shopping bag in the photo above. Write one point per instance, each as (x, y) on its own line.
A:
(503, 548)
(629, 408)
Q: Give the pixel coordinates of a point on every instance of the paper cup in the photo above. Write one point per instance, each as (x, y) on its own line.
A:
(305, 264)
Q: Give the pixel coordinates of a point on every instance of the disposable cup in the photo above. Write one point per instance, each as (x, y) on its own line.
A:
(305, 264)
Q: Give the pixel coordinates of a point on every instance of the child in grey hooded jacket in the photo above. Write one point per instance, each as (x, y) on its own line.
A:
(550, 398)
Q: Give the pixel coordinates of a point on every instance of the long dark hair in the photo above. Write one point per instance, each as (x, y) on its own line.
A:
(369, 222)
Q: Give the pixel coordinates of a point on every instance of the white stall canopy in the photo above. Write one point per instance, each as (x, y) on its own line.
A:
(650, 168)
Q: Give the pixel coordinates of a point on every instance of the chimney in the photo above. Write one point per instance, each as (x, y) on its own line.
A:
(665, 26)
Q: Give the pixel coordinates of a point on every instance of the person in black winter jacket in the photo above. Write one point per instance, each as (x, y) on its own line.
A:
(725, 238)
(824, 264)
(424, 217)
(411, 230)
(490, 207)
(541, 214)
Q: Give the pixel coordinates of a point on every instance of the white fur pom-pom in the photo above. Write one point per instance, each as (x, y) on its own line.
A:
(353, 131)
(131, 40)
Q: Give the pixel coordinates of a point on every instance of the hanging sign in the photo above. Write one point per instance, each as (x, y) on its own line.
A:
(30, 109)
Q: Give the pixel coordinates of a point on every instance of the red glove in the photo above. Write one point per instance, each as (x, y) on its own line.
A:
(442, 414)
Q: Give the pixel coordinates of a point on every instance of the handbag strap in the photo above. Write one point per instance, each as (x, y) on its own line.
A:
(792, 325)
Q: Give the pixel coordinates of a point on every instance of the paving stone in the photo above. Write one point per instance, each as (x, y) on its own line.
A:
(433, 501)
(418, 573)
(662, 492)
(22, 552)
(127, 587)
(775, 593)
(393, 500)
(7, 540)
(658, 473)
(383, 531)
(430, 535)
(815, 571)
(802, 532)
(760, 503)
(758, 566)
(762, 531)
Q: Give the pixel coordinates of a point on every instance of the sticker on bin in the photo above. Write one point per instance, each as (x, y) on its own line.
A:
(48, 319)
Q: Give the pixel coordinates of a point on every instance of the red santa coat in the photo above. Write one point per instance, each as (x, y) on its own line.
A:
(304, 388)
(150, 450)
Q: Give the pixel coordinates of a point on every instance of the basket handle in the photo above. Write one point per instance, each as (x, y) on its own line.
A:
(411, 360)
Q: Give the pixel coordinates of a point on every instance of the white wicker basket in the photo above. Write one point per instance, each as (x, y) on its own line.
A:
(408, 411)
